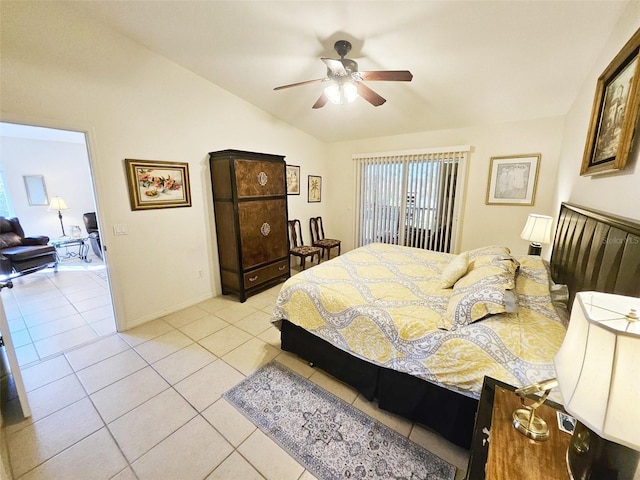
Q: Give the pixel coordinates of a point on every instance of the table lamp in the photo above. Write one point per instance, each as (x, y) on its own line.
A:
(538, 231)
(598, 373)
(58, 204)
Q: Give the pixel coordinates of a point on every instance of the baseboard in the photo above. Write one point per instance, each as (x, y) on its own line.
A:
(162, 313)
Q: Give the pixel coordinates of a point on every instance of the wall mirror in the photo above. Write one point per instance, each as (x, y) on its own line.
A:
(36, 189)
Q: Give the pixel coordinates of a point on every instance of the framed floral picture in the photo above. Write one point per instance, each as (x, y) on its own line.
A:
(614, 113)
(293, 180)
(315, 189)
(156, 184)
(513, 179)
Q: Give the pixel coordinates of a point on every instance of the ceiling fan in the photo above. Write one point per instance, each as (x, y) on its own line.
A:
(346, 81)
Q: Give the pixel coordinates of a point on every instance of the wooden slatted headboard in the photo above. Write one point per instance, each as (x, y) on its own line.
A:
(596, 251)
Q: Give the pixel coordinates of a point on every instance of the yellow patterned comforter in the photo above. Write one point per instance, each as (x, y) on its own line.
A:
(383, 303)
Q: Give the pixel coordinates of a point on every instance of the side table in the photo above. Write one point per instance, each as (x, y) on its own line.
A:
(548, 457)
(62, 245)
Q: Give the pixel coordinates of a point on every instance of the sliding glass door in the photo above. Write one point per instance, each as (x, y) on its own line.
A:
(409, 199)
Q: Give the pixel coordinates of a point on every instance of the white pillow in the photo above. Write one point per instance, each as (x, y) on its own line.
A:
(455, 270)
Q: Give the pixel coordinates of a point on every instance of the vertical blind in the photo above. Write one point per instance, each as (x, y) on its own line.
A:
(410, 198)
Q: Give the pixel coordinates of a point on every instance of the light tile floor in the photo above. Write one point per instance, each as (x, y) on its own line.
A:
(147, 403)
(49, 312)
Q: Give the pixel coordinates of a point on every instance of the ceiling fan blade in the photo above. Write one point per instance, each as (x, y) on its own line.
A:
(302, 83)
(388, 75)
(335, 66)
(369, 95)
(321, 102)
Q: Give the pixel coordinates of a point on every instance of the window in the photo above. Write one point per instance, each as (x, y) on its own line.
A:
(6, 208)
(410, 198)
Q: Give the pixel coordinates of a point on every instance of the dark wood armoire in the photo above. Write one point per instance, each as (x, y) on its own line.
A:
(250, 204)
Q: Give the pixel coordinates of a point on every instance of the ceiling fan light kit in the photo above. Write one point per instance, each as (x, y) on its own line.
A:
(346, 81)
(341, 93)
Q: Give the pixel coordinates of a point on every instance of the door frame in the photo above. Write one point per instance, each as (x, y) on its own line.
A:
(94, 171)
(14, 366)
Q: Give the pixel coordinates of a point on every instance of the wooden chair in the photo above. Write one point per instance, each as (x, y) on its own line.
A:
(297, 246)
(318, 240)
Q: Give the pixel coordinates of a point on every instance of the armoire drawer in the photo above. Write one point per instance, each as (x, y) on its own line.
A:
(264, 274)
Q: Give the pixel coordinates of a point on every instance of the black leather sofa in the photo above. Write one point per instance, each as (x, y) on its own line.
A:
(91, 225)
(19, 254)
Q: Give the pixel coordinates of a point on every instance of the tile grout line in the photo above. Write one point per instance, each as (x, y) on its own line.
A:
(129, 346)
(200, 413)
(52, 287)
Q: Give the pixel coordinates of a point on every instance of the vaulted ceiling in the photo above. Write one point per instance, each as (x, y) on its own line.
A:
(474, 62)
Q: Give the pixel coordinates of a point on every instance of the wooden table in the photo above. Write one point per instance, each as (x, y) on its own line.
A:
(499, 451)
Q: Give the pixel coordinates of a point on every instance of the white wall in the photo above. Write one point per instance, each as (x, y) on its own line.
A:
(617, 193)
(482, 224)
(65, 167)
(61, 70)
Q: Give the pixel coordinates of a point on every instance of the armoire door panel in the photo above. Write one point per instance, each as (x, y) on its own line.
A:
(263, 231)
(259, 178)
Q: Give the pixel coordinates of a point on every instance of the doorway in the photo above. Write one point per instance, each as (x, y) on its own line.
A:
(51, 311)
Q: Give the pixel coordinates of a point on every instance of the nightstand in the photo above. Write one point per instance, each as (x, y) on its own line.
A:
(517, 457)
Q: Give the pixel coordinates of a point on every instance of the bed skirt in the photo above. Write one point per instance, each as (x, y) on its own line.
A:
(448, 413)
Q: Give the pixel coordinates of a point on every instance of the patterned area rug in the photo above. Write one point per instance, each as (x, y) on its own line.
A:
(329, 437)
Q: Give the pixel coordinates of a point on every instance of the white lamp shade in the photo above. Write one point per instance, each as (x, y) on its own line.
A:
(58, 204)
(598, 366)
(537, 229)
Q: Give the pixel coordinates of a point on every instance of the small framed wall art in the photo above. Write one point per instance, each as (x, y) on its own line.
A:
(156, 184)
(614, 113)
(293, 180)
(513, 179)
(315, 189)
(36, 189)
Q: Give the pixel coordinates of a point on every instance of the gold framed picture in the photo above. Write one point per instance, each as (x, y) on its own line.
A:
(156, 184)
(614, 113)
(293, 180)
(513, 180)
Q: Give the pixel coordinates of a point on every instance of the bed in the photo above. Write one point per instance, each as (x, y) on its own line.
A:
(379, 319)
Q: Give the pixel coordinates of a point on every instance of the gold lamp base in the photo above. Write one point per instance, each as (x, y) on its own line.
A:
(524, 419)
(535, 428)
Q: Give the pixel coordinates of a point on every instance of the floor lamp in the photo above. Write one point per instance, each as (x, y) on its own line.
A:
(58, 204)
